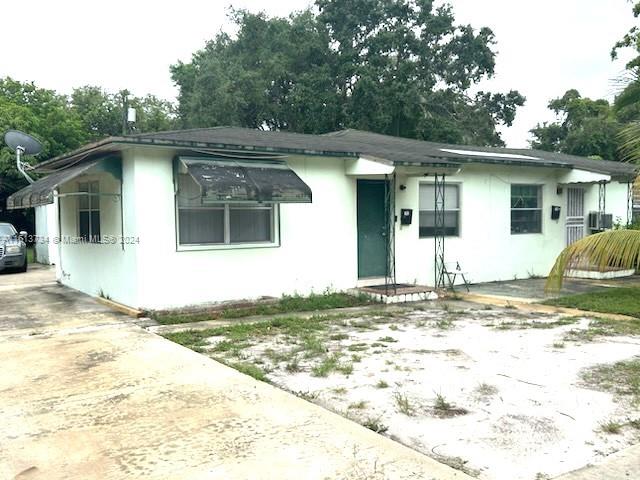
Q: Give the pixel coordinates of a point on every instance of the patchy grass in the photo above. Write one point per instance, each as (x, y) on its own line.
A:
(382, 384)
(338, 336)
(361, 405)
(444, 323)
(404, 404)
(604, 327)
(486, 390)
(613, 428)
(31, 255)
(514, 325)
(248, 369)
(358, 347)
(189, 338)
(329, 364)
(620, 378)
(245, 333)
(286, 304)
(306, 395)
(625, 301)
(387, 339)
(293, 366)
(374, 424)
(441, 403)
(312, 346)
(443, 408)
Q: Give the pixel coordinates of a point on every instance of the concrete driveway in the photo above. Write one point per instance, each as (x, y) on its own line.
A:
(87, 393)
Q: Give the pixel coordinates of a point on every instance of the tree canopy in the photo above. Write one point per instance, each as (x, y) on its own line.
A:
(399, 67)
(586, 127)
(64, 122)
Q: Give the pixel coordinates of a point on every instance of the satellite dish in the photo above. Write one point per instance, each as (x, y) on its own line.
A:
(16, 139)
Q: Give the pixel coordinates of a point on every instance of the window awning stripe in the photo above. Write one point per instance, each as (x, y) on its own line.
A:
(41, 192)
(224, 180)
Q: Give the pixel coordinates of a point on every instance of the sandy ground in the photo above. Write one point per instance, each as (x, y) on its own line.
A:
(518, 407)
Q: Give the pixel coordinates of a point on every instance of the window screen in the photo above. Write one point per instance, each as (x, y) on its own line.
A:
(220, 224)
(89, 212)
(250, 224)
(427, 220)
(526, 209)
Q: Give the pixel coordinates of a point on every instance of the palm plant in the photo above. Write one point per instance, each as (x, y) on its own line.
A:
(615, 248)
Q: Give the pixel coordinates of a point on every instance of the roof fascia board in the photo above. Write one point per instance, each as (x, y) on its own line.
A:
(230, 146)
(175, 144)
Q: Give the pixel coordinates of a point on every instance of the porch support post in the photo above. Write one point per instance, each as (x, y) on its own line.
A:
(439, 231)
(602, 197)
(390, 230)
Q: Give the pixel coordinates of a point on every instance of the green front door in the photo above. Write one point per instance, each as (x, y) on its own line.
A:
(372, 237)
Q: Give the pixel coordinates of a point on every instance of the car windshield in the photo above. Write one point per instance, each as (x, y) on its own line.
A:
(6, 231)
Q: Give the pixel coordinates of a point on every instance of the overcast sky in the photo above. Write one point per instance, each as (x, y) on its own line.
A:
(544, 47)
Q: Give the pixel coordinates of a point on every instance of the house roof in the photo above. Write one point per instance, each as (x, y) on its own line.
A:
(353, 143)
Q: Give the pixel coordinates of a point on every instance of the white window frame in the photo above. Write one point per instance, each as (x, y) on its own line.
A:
(87, 186)
(458, 186)
(540, 188)
(228, 245)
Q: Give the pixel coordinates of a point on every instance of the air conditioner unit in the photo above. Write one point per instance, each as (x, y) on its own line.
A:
(599, 222)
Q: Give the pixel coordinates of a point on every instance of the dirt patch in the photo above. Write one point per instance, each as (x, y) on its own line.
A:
(450, 382)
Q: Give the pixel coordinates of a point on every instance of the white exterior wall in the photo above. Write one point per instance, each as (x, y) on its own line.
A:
(486, 248)
(616, 202)
(46, 232)
(318, 241)
(99, 269)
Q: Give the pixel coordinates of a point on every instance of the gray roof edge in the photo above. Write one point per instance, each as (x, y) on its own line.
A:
(171, 143)
(155, 139)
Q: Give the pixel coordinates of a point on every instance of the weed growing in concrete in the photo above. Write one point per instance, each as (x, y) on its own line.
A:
(307, 395)
(374, 424)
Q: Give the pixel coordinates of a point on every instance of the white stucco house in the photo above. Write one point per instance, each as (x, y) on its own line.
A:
(180, 218)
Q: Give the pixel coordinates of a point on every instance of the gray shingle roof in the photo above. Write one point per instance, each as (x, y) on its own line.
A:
(401, 151)
(396, 149)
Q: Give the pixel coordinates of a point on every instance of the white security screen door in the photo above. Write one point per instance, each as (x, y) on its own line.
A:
(575, 214)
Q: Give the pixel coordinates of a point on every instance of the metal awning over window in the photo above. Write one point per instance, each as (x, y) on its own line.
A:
(245, 181)
(41, 192)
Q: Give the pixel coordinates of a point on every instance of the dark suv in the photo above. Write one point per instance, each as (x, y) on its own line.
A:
(13, 250)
